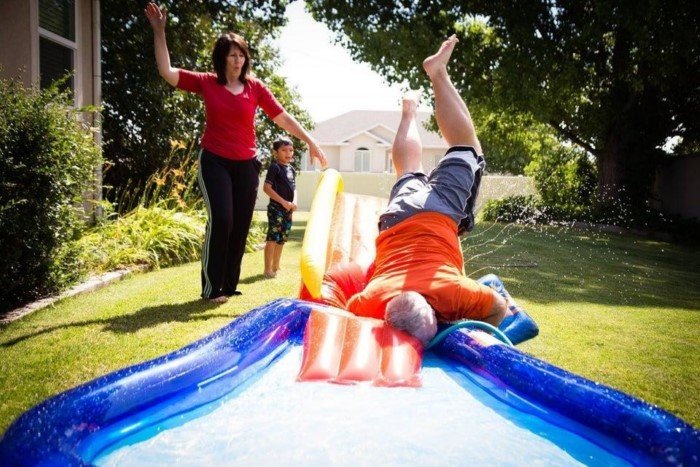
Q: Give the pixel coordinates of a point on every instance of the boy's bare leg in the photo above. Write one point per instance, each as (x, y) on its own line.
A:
(276, 258)
(451, 113)
(269, 258)
(407, 151)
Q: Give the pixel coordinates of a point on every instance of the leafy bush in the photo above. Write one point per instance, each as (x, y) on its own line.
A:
(531, 210)
(47, 163)
(153, 236)
(563, 177)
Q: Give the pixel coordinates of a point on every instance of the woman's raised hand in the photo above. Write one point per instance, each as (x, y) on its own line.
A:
(316, 152)
(156, 16)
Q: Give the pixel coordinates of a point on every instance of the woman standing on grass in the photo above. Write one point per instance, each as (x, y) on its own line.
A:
(228, 169)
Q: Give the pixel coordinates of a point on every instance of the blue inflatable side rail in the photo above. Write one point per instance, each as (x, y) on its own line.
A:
(77, 426)
(74, 427)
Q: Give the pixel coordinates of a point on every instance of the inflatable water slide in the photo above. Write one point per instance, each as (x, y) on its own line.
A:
(300, 382)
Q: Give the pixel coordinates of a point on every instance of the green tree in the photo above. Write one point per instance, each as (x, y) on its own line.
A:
(142, 113)
(511, 140)
(616, 78)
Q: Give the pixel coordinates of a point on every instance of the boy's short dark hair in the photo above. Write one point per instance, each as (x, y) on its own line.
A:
(282, 141)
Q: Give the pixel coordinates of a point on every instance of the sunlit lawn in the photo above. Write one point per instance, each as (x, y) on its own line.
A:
(620, 310)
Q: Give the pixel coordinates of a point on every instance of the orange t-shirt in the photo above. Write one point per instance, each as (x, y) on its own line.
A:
(422, 254)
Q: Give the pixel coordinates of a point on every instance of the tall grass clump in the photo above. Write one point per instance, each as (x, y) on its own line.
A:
(48, 159)
(156, 225)
(153, 236)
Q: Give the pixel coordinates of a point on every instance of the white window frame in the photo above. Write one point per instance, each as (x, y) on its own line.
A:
(362, 155)
(67, 43)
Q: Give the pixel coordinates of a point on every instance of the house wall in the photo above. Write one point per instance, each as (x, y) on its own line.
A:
(18, 25)
(379, 184)
(430, 158)
(377, 153)
(332, 155)
(19, 45)
(19, 58)
(84, 95)
(342, 158)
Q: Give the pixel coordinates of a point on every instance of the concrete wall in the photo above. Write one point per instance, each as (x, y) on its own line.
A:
(677, 190)
(379, 184)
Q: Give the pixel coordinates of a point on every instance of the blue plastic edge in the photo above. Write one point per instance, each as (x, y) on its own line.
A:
(76, 426)
(652, 434)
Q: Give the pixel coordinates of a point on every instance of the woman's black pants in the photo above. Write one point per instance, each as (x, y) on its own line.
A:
(229, 189)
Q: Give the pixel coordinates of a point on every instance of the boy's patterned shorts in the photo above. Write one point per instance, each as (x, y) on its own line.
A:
(279, 223)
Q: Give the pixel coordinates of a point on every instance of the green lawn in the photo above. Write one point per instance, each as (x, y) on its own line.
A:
(620, 310)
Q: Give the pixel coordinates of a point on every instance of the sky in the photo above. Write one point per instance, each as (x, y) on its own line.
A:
(329, 81)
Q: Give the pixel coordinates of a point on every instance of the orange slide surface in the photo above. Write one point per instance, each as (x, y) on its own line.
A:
(340, 347)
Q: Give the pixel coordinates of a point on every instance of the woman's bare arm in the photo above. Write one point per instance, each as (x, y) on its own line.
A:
(157, 18)
(292, 126)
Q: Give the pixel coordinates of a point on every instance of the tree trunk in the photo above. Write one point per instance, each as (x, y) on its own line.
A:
(610, 167)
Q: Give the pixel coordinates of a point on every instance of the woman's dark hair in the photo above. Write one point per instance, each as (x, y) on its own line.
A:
(222, 48)
(282, 141)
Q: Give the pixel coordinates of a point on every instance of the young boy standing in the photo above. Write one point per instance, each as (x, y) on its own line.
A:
(280, 186)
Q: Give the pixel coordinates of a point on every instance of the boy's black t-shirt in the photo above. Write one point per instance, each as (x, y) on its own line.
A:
(283, 180)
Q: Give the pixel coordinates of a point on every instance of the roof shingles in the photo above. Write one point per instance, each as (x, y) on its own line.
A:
(338, 129)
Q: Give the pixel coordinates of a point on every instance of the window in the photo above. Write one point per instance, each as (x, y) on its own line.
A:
(57, 41)
(362, 160)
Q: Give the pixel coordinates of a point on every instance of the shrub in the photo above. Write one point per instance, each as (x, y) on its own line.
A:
(156, 236)
(47, 163)
(563, 177)
(531, 210)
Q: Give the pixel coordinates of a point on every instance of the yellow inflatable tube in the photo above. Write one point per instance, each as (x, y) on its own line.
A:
(314, 250)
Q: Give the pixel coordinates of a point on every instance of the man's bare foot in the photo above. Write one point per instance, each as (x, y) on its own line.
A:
(437, 63)
(409, 101)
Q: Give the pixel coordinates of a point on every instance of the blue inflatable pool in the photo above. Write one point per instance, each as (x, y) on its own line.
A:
(232, 397)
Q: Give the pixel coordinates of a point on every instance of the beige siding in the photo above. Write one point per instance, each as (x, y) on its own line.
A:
(84, 55)
(431, 157)
(377, 153)
(16, 40)
(19, 49)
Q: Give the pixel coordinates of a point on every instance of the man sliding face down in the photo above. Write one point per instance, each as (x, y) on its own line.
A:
(417, 277)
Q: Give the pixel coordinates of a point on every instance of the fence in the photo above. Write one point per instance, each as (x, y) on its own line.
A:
(379, 184)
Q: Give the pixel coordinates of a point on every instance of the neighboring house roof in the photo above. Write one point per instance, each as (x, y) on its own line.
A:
(338, 130)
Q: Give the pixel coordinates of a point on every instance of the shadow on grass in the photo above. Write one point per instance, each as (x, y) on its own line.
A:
(252, 279)
(196, 310)
(546, 264)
